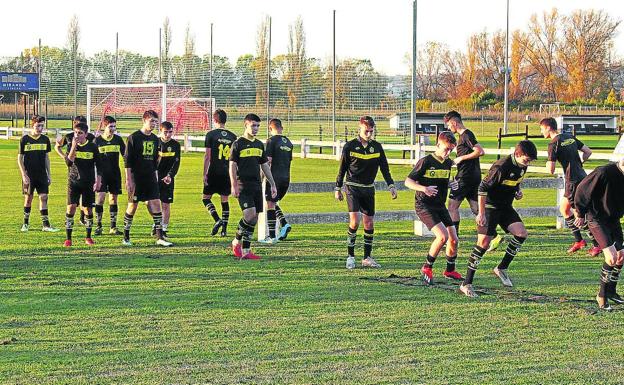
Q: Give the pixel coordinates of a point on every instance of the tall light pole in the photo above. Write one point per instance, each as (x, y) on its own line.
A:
(414, 49)
(506, 69)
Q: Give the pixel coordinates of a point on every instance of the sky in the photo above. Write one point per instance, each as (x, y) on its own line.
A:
(379, 30)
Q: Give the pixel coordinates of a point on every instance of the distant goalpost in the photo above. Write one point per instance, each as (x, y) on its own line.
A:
(130, 101)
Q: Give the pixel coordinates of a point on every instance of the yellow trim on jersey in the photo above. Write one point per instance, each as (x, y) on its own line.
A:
(437, 174)
(166, 154)
(36, 147)
(359, 184)
(249, 152)
(510, 182)
(364, 156)
(84, 155)
(568, 142)
(109, 148)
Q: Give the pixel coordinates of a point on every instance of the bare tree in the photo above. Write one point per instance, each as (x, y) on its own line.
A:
(260, 62)
(166, 49)
(73, 43)
(296, 61)
(189, 54)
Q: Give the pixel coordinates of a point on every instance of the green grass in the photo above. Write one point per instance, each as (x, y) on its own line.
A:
(192, 314)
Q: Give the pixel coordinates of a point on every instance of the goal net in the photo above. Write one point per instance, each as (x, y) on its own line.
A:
(128, 102)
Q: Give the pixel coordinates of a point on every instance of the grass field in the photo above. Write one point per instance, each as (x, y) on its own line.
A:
(192, 314)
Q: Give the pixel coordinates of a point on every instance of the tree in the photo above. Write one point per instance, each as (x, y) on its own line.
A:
(165, 54)
(73, 42)
(260, 63)
(296, 62)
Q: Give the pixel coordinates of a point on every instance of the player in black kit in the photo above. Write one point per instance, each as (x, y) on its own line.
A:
(168, 167)
(430, 180)
(565, 149)
(497, 192)
(141, 163)
(111, 146)
(218, 145)
(598, 200)
(34, 166)
(279, 154)
(83, 159)
(361, 158)
(246, 159)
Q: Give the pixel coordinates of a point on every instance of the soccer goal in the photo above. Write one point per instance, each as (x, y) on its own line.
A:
(128, 102)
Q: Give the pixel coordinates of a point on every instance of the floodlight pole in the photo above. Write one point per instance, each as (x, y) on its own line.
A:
(505, 116)
(116, 57)
(160, 55)
(414, 51)
(334, 80)
(39, 83)
(210, 81)
(268, 94)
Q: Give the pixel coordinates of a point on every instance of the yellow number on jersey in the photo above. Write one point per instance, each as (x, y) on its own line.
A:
(224, 151)
(148, 148)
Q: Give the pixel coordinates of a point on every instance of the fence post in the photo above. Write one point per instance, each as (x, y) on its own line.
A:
(187, 143)
(499, 138)
(559, 195)
(338, 149)
(303, 148)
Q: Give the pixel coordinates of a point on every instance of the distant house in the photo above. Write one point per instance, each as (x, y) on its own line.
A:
(426, 122)
(588, 124)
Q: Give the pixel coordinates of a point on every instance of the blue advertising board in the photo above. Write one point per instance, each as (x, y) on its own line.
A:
(19, 82)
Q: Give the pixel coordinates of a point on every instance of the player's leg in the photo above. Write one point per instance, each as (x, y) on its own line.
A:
(128, 218)
(271, 219)
(225, 213)
(479, 250)
(250, 218)
(88, 211)
(99, 211)
(155, 210)
(519, 235)
(451, 254)
(354, 223)
(69, 223)
(285, 227)
(441, 236)
(43, 209)
(566, 211)
(113, 207)
(166, 214)
(28, 198)
(369, 234)
(453, 209)
(212, 210)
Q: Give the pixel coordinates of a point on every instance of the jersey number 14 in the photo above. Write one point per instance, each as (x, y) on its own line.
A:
(224, 151)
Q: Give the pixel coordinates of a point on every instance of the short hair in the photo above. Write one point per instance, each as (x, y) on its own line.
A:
(275, 123)
(452, 115)
(219, 116)
(252, 118)
(150, 114)
(368, 121)
(551, 123)
(447, 137)
(166, 125)
(79, 119)
(81, 126)
(526, 147)
(37, 119)
(108, 120)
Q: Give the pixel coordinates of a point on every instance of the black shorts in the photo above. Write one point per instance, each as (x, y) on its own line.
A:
(361, 199)
(502, 217)
(468, 189)
(250, 195)
(570, 190)
(218, 184)
(166, 191)
(282, 188)
(111, 183)
(431, 216)
(607, 232)
(40, 185)
(145, 189)
(78, 191)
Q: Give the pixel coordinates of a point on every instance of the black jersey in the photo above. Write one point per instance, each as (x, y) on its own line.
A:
(82, 169)
(564, 148)
(169, 158)
(248, 155)
(601, 192)
(66, 140)
(219, 141)
(471, 168)
(279, 149)
(502, 182)
(110, 149)
(142, 154)
(360, 163)
(35, 150)
(432, 171)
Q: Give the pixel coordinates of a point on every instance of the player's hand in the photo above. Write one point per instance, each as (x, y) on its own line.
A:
(74, 142)
(431, 191)
(68, 161)
(620, 257)
(480, 219)
(273, 191)
(519, 195)
(25, 180)
(338, 195)
(235, 190)
(166, 179)
(458, 160)
(206, 180)
(97, 185)
(579, 222)
(130, 186)
(454, 184)
(393, 192)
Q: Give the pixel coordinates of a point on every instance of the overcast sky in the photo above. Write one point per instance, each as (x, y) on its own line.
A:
(379, 30)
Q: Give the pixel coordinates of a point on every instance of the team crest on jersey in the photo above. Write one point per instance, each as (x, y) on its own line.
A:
(223, 133)
(511, 175)
(521, 172)
(245, 205)
(168, 149)
(357, 148)
(371, 150)
(284, 140)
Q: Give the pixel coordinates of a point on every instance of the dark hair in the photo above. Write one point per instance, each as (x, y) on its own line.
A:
(150, 114)
(447, 137)
(252, 118)
(550, 123)
(452, 115)
(166, 125)
(79, 119)
(368, 121)
(82, 126)
(219, 116)
(108, 120)
(37, 119)
(526, 147)
(275, 123)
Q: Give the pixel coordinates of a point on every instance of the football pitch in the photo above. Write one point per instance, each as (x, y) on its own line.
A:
(193, 314)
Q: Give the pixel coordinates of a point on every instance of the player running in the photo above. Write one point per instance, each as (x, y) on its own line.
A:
(169, 152)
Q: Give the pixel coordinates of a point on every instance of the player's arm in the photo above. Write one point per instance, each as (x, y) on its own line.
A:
(233, 170)
(173, 171)
(22, 168)
(477, 151)
(72, 152)
(266, 170)
(99, 164)
(586, 152)
(207, 155)
(411, 182)
(47, 165)
(342, 170)
(58, 147)
(385, 170)
(127, 156)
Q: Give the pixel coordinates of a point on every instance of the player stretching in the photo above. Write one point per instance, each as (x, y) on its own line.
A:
(168, 166)
(82, 182)
(361, 158)
(246, 159)
(111, 146)
(496, 194)
(34, 165)
(141, 162)
(599, 200)
(218, 145)
(430, 180)
(564, 148)
(279, 154)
